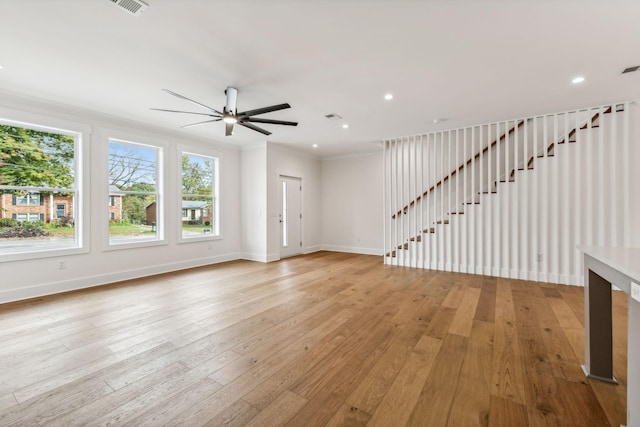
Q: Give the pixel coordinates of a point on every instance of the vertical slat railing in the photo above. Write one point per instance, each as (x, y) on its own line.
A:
(543, 175)
(590, 184)
(526, 265)
(600, 177)
(535, 249)
(447, 230)
(497, 215)
(481, 182)
(487, 201)
(556, 213)
(515, 205)
(565, 195)
(565, 219)
(611, 226)
(464, 230)
(577, 260)
(385, 212)
(471, 206)
(434, 214)
(626, 167)
(505, 205)
(398, 201)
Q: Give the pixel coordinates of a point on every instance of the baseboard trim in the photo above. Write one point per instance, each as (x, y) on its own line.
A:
(254, 257)
(104, 279)
(353, 250)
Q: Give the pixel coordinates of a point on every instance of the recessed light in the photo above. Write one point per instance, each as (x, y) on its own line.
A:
(345, 126)
(578, 79)
(1, 67)
(388, 97)
(315, 145)
(436, 121)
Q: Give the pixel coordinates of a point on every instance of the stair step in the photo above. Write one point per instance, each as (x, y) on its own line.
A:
(446, 221)
(416, 239)
(429, 230)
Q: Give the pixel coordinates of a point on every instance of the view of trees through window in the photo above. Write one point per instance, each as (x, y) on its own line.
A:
(199, 207)
(133, 192)
(37, 189)
(39, 195)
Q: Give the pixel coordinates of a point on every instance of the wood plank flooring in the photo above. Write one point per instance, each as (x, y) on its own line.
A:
(327, 339)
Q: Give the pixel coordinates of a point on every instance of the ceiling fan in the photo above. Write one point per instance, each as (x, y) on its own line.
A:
(229, 114)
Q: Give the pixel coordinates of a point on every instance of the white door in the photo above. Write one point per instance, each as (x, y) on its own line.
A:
(290, 216)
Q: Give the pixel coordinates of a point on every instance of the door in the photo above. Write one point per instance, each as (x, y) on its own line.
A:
(290, 216)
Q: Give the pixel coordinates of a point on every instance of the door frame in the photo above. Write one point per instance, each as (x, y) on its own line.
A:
(301, 178)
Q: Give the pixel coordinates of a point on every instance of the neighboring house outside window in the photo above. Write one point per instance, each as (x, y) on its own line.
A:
(47, 207)
(39, 169)
(199, 207)
(115, 203)
(135, 172)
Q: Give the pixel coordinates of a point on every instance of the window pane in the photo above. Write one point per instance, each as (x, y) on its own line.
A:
(37, 174)
(133, 192)
(196, 218)
(199, 206)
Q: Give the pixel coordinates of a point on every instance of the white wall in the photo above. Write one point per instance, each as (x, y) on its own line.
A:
(34, 277)
(254, 202)
(283, 161)
(352, 204)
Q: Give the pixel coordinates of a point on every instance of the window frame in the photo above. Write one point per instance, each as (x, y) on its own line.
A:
(215, 196)
(81, 132)
(160, 147)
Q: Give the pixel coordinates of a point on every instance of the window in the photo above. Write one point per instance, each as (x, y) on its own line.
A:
(38, 165)
(29, 199)
(134, 192)
(200, 212)
(28, 217)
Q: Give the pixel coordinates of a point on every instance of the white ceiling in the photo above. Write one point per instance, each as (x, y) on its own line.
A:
(468, 62)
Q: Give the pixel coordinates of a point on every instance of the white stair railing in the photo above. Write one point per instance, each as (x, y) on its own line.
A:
(510, 199)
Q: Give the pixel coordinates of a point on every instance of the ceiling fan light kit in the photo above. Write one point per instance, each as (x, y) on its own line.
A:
(229, 114)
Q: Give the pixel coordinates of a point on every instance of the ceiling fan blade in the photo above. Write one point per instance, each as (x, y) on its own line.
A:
(192, 101)
(185, 112)
(228, 129)
(269, 121)
(200, 123)
(264, 110)
(252, 127)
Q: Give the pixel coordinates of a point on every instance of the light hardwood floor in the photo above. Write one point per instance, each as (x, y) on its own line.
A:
(324, 339)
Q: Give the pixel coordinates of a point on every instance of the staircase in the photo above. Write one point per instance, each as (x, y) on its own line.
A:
(519, 171)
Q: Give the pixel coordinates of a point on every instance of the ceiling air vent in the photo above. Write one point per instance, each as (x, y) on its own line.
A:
(631, 69)
(333, 116)
(134, 7)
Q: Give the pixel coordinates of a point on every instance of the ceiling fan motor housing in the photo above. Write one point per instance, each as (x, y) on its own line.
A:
(232, 100)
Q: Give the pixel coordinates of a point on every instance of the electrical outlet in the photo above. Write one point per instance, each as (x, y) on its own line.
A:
(62, 265)
(539, 257)
(635, 291)
(209, 246)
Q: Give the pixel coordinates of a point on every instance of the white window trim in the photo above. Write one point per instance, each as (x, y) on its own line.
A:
(82, 133)
(161, 147)
(201, 152)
